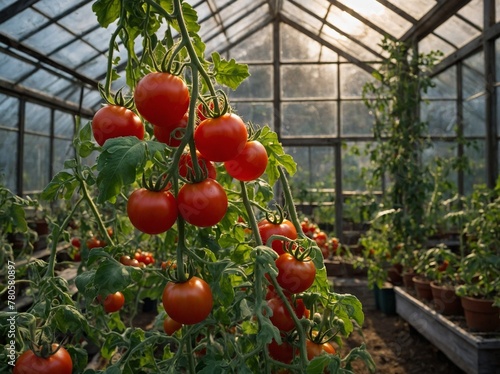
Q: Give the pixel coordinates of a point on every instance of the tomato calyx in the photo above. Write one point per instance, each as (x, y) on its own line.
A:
(277, 217)
(208, 108)
(156, 182)
(117, 99)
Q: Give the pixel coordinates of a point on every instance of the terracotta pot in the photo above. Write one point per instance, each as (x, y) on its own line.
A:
(408, 279)
(446, 300)
(423, 288)
(394, 276)
(480, 314)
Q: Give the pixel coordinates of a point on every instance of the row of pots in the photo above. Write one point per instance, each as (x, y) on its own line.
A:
(480, 314)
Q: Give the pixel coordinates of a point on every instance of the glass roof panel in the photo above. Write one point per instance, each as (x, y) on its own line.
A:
(12, 69)
(80, 20)
(416, 9)
(297, 47)
(48, 39)
(381, 16)
(6, 3)
(23, 23)
(72, 54)
(257, 47)
(433, 43)
(457, 32)
(473, 12)
(301, 17)
(54, 8)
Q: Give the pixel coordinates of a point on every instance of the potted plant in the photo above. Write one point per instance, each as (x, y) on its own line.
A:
(480, 269)
(440, 265)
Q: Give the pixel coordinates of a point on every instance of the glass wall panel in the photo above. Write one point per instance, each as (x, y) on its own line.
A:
(474, 117)
(36, 163)
(473, 75)
(63, 150)
(311, 118)
(357, 169)
(441, 117)
(259, 114)
(37, 118)
(476, 154)
(64, 124)
(8, 160)
(259, 86)
(355, 119)
(315, 170)
(9, 107)
(309, 81)
(352, 80)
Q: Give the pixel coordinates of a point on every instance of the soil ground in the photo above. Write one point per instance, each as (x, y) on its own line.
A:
(397, 348)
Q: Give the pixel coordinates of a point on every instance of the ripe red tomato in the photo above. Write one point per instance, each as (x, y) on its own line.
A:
(76, 242)
(250, 164)
(171, 135)
(113, 302)
(188, 302)
(283, 352)
(442, 267)
(315, 349)
(295, 275)
(170, 326)
(29, 363)
(320, 238)
(94, 242)
(222, 138)
(113, 121)
(186, 165)
(285, 228)
(202, 204)
(162, 99)
(280, 318)
(152, 212)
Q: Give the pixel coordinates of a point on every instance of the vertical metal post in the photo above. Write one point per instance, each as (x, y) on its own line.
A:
(490, 115)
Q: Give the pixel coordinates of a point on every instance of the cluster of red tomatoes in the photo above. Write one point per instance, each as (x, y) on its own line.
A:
(91, 243)
(328, 246)
(141, 259)
(162, 99)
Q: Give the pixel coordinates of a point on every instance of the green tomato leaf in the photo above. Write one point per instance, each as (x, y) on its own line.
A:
(120, 162)
(107, 11)
(229, 73)
(111, 276)
(63, 183)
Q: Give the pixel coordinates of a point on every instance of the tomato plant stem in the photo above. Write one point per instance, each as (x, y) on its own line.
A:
(56, 233)
(251, 216)
(287, 192)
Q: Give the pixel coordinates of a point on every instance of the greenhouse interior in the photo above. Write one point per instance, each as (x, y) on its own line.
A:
(250, 186)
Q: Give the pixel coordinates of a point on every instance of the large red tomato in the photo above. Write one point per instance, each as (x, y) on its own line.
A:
(152, 212)
(188, 302)
(171, 135)
(186, 165)
(222, 138)
(295, 275)
(285, 228)
(29, 363)
(162, 98)
(202, 204)
(249, 164)
(113, 121)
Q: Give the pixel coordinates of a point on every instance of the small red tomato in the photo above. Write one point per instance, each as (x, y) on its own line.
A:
(76, 242)
(113, 302)
(285, 228)
(186, 166)
(170, 326)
